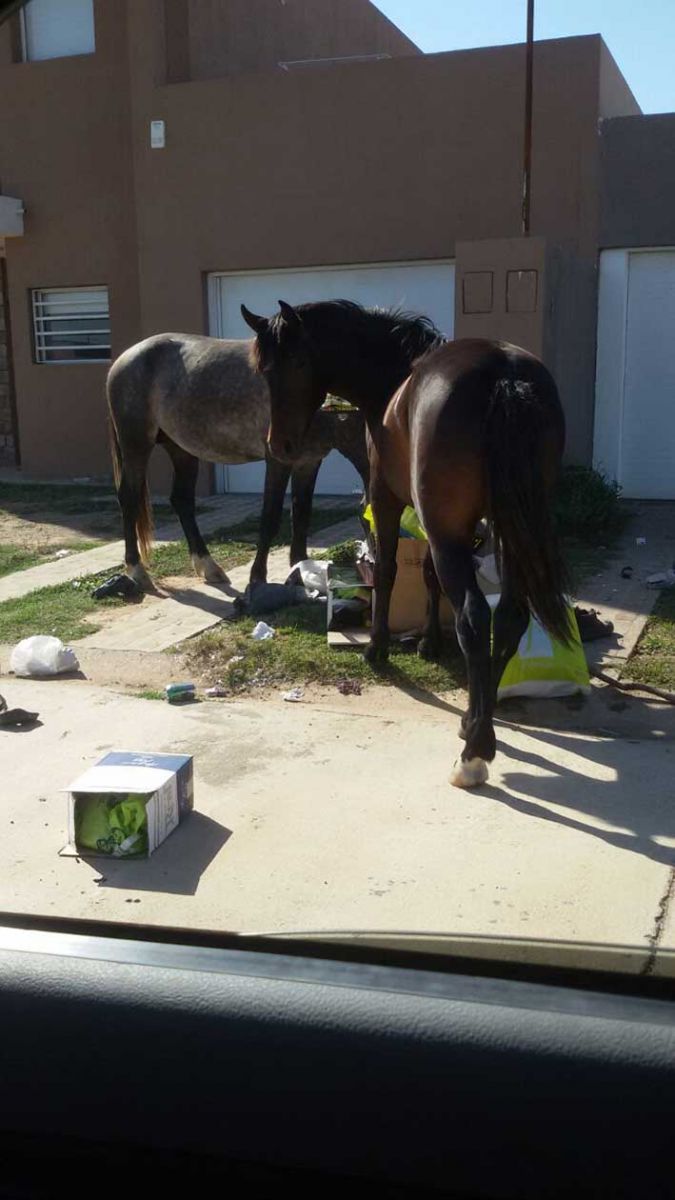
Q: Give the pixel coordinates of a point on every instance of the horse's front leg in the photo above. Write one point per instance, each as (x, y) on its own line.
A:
(277, 475)
(387, 509)
(303, 482)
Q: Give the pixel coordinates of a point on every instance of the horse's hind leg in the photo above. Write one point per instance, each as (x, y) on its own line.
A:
(387, 509)
(303, 482)
(431, 643)
(132, 494)
(277, 475)
(510, 622)
(185, 472)
(455, 569)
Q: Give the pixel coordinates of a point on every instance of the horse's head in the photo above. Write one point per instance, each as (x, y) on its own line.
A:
(283, 354)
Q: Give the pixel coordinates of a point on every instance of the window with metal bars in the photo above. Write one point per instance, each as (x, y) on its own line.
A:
(71, 325)
(57, 29)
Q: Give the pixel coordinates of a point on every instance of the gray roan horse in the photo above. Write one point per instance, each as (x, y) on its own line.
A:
(201, 398)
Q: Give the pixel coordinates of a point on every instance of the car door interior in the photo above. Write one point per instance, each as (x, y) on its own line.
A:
(183, 1058)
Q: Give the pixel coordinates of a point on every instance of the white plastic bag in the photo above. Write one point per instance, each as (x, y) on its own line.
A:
(262, 632)
(314, 574)
(41, 655)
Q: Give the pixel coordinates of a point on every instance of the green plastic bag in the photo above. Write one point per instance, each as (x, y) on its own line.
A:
(543, 667)
(112, 824)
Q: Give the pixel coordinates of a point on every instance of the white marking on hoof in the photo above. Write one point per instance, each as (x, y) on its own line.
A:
(209, 570)
(140, 576)
(469, 774)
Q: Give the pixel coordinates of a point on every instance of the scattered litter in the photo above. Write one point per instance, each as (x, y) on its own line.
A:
(62, 553)
(640, 541)
(236, 658)
(262, 632)
(13, 718)
(269, 597)
(178, 693)
(294, 696)
(591, 627)
(77, 583)
(349, 687)
(42, 655)
(216, 691)
(312, 573)
(118, 585)
(663, 579)
(626, 572)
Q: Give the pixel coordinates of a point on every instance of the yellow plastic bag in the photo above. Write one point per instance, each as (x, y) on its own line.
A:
(543, 667)
(409, 525)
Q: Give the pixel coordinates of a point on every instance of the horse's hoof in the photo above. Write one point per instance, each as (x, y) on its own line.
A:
(429, 648)
(376, 655)
(468, 774)
(140, 577)
(208, 570)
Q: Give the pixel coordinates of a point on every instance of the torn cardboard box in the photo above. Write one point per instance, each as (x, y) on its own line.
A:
(128, 804)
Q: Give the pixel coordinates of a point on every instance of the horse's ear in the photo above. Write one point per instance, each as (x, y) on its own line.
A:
(291, 317)
(256, 323)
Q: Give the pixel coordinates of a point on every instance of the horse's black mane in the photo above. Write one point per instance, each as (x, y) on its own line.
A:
(412, 334)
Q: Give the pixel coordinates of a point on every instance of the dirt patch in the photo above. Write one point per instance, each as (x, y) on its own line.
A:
(39, 530)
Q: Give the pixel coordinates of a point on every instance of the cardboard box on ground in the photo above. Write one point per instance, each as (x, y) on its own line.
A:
(128, 803)
(409, 598)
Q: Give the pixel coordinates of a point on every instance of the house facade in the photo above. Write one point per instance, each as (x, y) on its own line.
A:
(167, 159)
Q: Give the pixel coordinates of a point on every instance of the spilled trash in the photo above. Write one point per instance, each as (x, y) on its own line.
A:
(118, 585)
(41, 656)
(180, 693)
(14, 718)
(662, 579)
(262, 632)
(349, 687)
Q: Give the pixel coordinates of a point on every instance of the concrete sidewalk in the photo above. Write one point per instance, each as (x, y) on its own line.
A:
(336, 814)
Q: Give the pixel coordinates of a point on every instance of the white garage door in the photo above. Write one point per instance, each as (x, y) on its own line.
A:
(635, 413)
(427, 287)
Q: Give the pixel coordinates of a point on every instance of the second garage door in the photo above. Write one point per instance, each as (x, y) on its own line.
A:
(426, 287)
(635, 394)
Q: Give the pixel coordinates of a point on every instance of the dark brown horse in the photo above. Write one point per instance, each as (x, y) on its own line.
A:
(201, 398)
(476, 430)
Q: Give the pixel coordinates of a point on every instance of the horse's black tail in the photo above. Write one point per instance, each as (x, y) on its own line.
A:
(521, 508)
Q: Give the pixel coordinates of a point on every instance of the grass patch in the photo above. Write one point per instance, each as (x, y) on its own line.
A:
(60, 610)
(173, 558)
(299, 654)
(654, 658)
(149, 694)
(15, 558)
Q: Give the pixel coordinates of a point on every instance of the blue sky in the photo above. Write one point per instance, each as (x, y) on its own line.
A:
(641, 36)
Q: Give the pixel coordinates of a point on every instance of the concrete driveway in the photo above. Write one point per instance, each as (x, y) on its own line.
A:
(336, 813)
